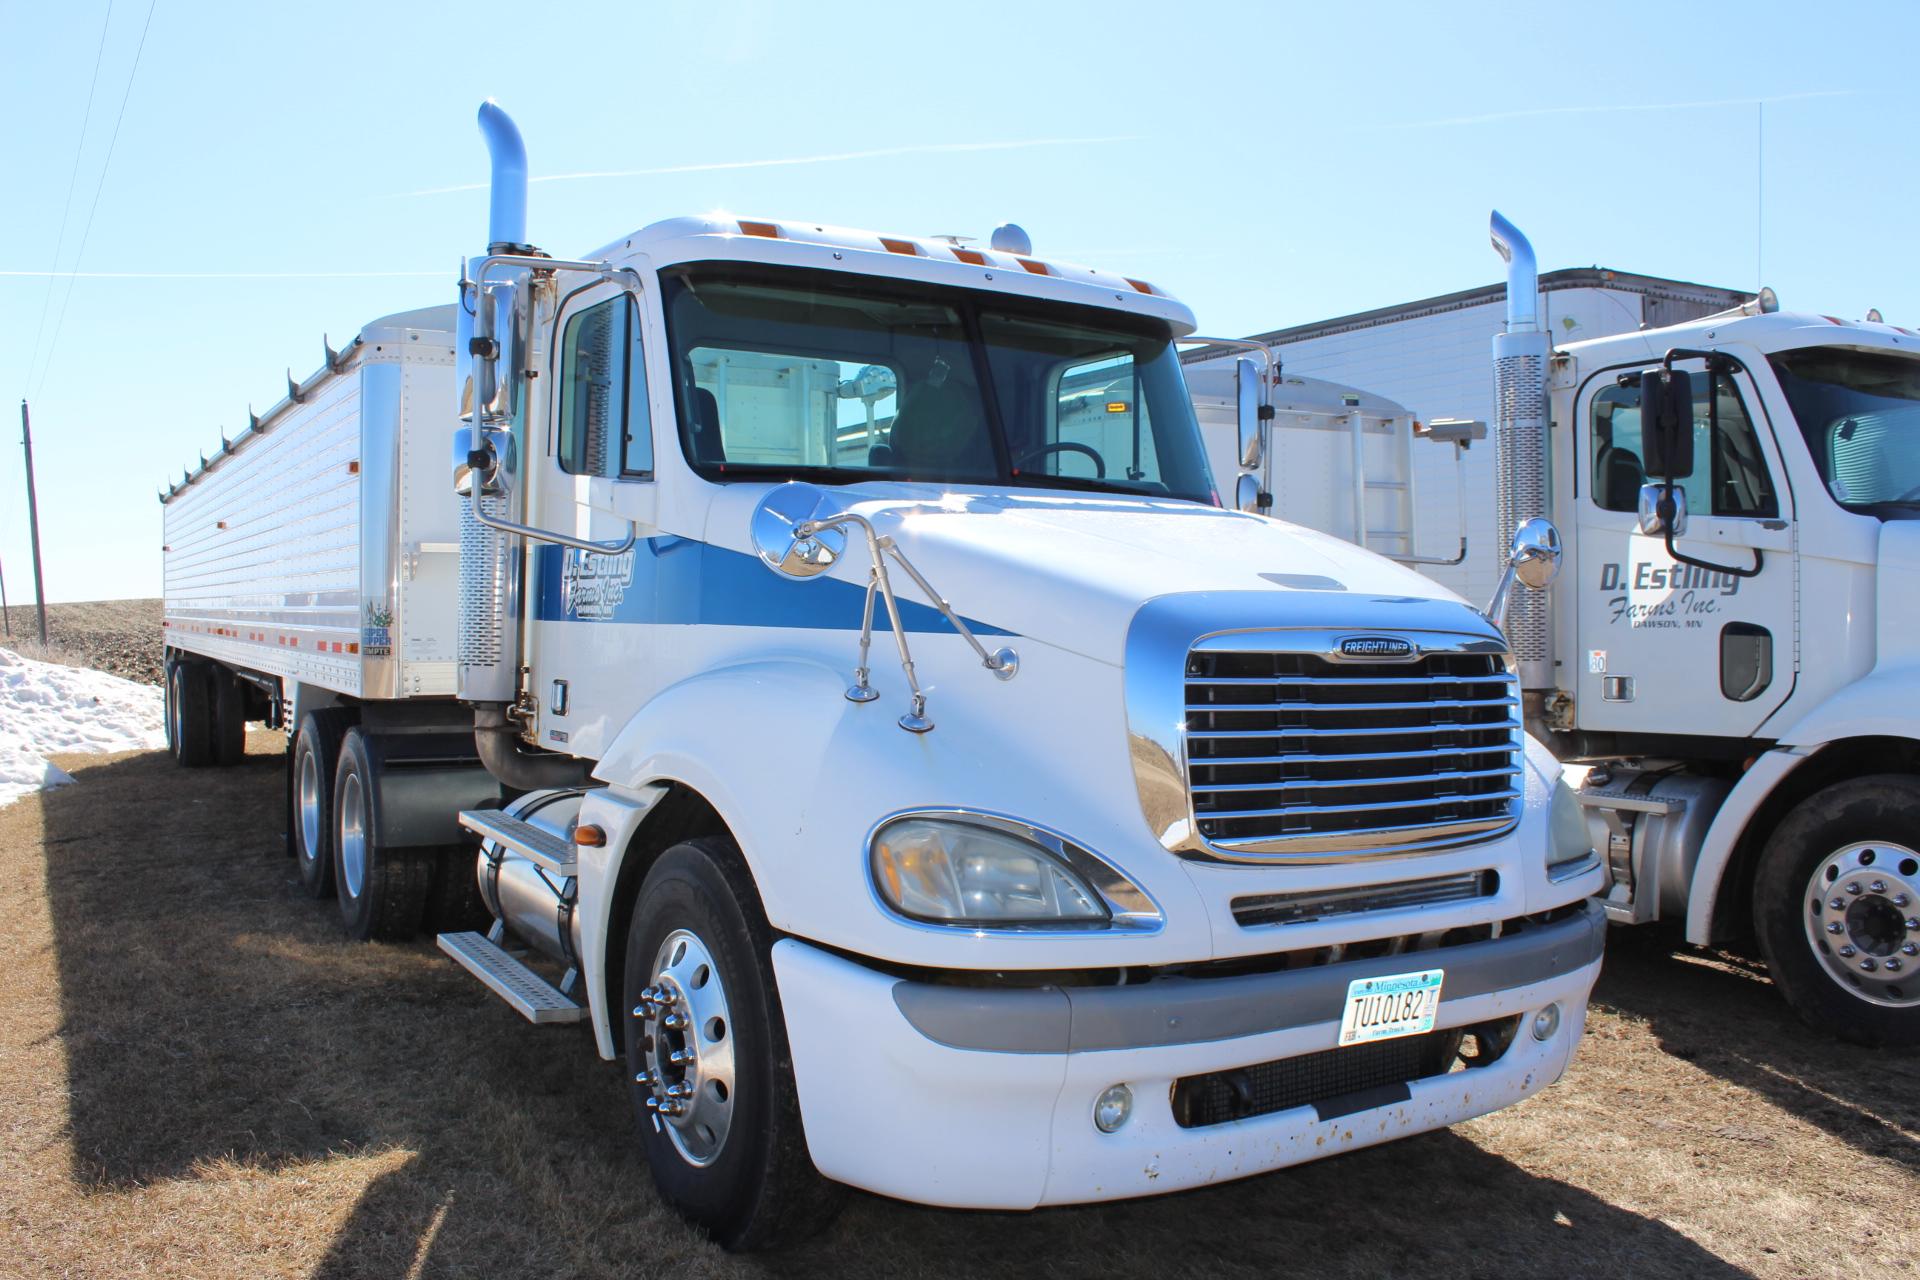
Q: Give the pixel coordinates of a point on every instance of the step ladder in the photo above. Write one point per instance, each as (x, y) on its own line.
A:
(1391, 476)
(502, 971)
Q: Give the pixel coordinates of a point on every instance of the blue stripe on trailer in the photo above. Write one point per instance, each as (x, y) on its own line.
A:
(677, 581)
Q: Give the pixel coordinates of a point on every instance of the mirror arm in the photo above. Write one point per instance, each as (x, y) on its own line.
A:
(1004, 663)
(545, 535)
(1716, 362)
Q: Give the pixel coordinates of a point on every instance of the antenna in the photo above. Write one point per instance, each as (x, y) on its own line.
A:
(1759, 191)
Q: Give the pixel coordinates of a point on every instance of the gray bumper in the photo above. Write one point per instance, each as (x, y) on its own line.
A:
(1173, 1010)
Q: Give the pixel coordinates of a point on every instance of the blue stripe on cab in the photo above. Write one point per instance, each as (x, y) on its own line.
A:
(678, 581)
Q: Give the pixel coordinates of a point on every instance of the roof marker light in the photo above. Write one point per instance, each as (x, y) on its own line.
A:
(972, 257)
(1140, 285)
(767, 230)
(907, 247)
(1038, 268)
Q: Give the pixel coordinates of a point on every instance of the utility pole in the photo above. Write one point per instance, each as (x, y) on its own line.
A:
(33, 522)
(6, 619)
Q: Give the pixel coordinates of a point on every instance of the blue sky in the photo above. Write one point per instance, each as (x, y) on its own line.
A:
(1270, 164)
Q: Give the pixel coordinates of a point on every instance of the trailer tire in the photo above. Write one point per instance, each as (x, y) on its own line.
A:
(229, 722)
(190, 714)
(454, 903)
(310, 769)
(1853, 843)
(756, 1187)
(382, 889)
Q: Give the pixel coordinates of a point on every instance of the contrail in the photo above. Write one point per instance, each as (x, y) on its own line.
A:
(1532, 113)
(222, 275)
(833, 157)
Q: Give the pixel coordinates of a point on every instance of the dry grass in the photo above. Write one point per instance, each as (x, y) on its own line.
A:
(200, 1077)
(118, 636)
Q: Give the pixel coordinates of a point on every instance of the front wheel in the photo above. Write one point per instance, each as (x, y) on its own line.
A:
(1836, 904)
(707, 1054)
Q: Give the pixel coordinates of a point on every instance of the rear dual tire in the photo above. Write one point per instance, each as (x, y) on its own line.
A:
(383, 890)
(206, 714)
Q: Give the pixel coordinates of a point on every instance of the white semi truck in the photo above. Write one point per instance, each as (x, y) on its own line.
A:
(1156, 845)
(1730, 662)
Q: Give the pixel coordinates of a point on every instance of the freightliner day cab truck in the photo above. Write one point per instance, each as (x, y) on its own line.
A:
(1732, 661)
(893, 752)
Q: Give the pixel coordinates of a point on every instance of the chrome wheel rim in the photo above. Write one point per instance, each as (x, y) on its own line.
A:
(1863, 921)
(353, 834)
(174, 718)
(309, 805)
(686, 1040)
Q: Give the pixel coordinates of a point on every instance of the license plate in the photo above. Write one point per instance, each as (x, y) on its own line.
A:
(1385, 1008)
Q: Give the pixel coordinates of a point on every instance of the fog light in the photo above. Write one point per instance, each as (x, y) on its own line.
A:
(1111, 1108)
(1546, 1022)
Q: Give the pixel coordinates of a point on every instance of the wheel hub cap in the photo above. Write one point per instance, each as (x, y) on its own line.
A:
(353, 834)
(1863, 921)
(686, 1038)
(310, 816)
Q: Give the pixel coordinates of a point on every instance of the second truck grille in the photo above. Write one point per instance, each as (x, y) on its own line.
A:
(1302, 753)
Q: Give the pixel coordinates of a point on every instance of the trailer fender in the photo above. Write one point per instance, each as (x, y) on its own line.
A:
(749, 739)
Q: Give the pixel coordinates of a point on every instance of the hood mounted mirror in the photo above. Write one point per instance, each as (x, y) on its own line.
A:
(775, 531)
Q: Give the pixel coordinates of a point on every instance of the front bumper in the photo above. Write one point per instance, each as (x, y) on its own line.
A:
(983, 1098)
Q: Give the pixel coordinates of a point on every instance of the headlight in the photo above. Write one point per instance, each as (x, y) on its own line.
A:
(981, 871)
(1570, 849)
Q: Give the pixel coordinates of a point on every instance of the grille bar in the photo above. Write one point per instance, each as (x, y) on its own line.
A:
(1303, 908)
(1349, 756)
(1298, 783)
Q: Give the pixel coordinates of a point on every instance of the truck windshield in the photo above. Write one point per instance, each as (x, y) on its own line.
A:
(805, 374)
(1860, 413)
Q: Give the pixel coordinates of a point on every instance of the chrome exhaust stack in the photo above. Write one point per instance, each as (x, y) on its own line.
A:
(490, 569)
(1520, 358)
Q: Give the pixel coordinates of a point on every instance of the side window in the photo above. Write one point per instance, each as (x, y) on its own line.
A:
(604, 428)
(1729, 472)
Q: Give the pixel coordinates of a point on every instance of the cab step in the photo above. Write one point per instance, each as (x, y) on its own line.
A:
(532, 996)
(549, 852)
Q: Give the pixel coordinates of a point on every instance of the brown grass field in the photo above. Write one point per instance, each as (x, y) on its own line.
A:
(122, 637)
(200, 1077)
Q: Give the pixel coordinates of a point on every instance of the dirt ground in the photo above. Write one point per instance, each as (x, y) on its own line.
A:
(199, 1076)
(118, 636)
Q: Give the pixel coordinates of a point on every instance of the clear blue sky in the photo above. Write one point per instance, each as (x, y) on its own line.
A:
(1269, 164)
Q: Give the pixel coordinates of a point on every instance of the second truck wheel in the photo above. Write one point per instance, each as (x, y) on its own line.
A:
(382, 890)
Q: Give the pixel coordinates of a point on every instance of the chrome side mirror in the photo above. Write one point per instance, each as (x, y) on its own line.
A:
(1246, 493)
(1655, 517)
(1247, 406)
(470, 457)
(1533, 561)
(773, 529)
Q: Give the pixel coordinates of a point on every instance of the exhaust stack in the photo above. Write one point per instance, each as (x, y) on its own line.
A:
(507, 202)
(1520, 439)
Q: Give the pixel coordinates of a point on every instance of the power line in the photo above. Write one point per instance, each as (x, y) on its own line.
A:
(66, 210)
(87, 231)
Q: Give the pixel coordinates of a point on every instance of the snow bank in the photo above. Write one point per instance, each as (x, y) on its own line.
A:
(46, 709)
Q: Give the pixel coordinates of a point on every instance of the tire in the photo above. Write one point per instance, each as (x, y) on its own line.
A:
(454, 902)
(190, 714)
(735, 1163)
(229, 722)
(310, 769)
(1853, 969)
(382, 890)
(166, 690)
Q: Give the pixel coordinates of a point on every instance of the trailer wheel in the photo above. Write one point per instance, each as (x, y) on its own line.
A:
(707, 1052)
(190, 714)
(229, 722)
(310, 769)
(382, 890)
(1836, 904)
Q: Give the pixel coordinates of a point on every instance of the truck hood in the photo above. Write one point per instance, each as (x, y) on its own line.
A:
(1071, 570)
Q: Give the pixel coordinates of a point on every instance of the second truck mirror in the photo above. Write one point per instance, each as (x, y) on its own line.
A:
(1247, 389)
(1666, 423)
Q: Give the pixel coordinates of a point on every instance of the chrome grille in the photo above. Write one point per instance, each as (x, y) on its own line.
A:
(1298, 753)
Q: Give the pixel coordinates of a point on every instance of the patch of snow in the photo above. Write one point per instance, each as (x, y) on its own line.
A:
(46, 709)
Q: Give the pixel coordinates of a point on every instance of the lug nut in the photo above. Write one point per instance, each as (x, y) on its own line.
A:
(1847, 952)
(1910, 950)
(645, 1077)
(1838, 904)
(1868, 966)
(680, 1057)
(1912, 923)
(1899, 899)
(673, 1021)
(1893, 964)
(1878, 886)
(680, 1090)
(653, 1103)
(672, 1107)
(1833, 926)
(1854, 888)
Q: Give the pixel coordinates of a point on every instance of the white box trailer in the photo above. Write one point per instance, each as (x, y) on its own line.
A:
(321, 547)
(1430, 355)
